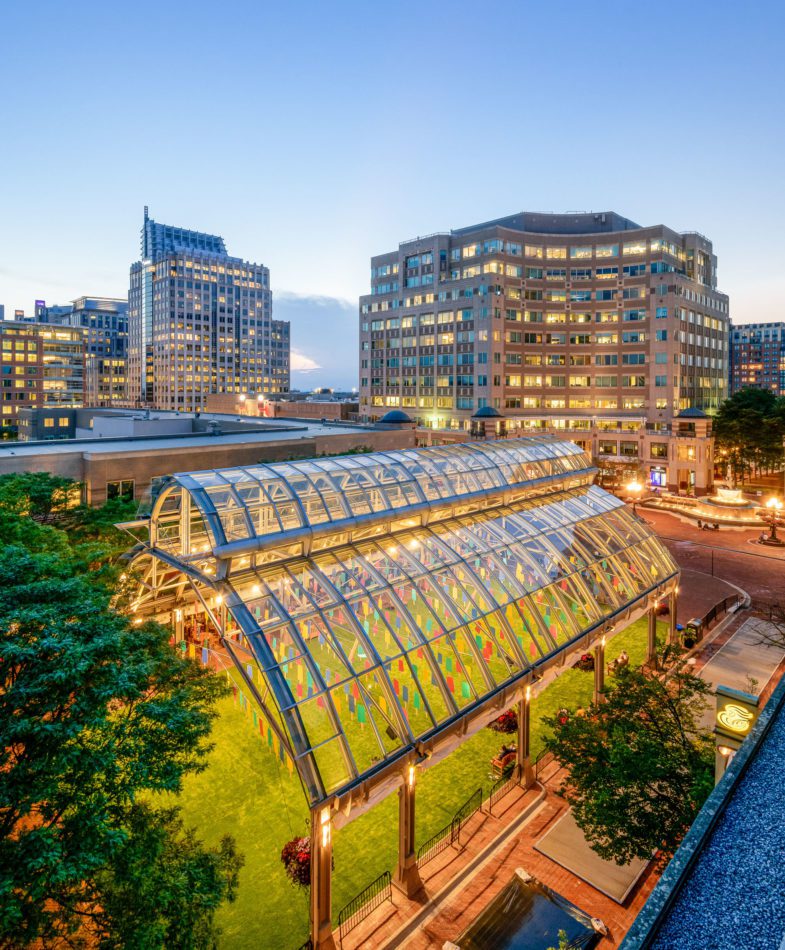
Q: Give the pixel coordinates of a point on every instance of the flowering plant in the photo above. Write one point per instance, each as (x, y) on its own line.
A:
(296, 858)
(507, 722)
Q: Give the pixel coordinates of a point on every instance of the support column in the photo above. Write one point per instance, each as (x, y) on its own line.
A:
(651, 649)
(599, 671)
(673, 601)
(524, 760)
(179, 624)
(407, 874)
(321, 880)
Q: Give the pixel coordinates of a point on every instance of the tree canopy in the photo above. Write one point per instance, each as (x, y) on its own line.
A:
(97, 715)
(640, 765)
(749, 428)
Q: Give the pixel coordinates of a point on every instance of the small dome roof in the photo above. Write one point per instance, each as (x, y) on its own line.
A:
(692, 414)
(487, 412)
(395, 416)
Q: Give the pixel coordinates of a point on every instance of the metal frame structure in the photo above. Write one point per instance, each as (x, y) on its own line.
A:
(380, 608)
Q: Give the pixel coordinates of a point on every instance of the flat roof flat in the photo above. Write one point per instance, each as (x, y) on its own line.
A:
(185, 441)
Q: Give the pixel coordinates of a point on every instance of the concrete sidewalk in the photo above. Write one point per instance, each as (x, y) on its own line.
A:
(744, 656)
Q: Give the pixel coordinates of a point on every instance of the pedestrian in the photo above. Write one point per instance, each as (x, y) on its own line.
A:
(700, 523)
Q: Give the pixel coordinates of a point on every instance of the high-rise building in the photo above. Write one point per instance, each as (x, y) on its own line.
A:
(585, 324)
(42, 366)
(200, 322)
(105, 322)
(757, 357)
(551, 319)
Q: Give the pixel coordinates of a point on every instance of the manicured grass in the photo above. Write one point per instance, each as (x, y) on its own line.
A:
(246, 792)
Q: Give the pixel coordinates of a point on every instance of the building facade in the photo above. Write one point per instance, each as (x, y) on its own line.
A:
(42, 366)
(551, 319)
(757, 357)
(200, 322)
(105, 324)
(580, 324)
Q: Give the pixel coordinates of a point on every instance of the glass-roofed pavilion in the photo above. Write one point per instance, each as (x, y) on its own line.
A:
(381, 608)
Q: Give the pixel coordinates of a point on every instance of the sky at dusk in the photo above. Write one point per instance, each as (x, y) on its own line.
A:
(313, 135)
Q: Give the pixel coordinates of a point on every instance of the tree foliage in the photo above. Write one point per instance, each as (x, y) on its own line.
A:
(749, 428)
(640, 765)
(96, 716)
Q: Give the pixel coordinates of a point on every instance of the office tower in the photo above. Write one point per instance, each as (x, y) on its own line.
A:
(554, 320)
(105, 324)
(42, 366)
(588, 325)
(280, 356)
(53, 314)
(200, 322)
(757, 357)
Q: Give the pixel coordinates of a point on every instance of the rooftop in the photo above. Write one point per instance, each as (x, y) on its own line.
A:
(281, 431)
(584, 222)
(159, 239)
(723, 887)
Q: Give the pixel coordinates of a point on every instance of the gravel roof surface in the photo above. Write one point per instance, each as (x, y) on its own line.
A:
(734, 897)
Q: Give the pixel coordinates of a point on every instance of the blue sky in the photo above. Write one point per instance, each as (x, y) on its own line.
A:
(312, 135)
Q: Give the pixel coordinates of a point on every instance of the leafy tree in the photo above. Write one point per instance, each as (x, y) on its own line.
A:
(749, 429)
(38, 494)
(96, 716)
(640, 765)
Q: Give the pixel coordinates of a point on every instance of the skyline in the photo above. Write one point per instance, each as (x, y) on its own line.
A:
(310, 157)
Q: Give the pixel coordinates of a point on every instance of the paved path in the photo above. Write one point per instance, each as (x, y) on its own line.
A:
(742, 657)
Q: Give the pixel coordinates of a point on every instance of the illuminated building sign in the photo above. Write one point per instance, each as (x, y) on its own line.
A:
(736, 713)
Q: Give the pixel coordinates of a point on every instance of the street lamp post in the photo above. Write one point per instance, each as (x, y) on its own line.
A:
(775, 506)
(634, 488)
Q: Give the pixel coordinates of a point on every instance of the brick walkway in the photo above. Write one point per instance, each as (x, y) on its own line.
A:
(459, 884)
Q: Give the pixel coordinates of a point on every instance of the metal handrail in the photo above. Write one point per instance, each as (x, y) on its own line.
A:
(501, 788)
(452, 831)
(544, 758)
(360, 906)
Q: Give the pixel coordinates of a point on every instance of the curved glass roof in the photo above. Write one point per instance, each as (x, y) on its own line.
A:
(370, 646)
(262, 501)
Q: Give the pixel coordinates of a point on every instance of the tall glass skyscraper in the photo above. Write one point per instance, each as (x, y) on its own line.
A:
(200, 322)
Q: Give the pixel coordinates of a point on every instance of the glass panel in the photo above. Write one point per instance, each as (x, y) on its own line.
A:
(521, 620)
(332, 766)
(449, 664)
(324, 650)
(410, 697)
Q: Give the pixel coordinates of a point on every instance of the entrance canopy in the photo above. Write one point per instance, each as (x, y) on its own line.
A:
(382, 604)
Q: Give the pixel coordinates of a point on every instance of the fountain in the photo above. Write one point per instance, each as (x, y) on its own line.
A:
(731, 497)
(724, 506)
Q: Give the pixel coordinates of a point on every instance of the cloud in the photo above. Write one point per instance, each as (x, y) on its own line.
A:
(302, 363)
(325, 333)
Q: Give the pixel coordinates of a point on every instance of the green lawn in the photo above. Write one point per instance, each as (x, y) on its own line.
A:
(247, 793)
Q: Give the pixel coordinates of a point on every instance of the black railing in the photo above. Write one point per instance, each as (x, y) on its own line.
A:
(472, 804)
(369, 898)
(435, 844)
(449, 834)
(308, 945)
(543, 759)
(500, 788)
(720, 609)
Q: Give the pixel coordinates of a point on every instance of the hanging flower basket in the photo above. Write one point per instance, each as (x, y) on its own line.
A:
(296, 858)
(506, 723)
